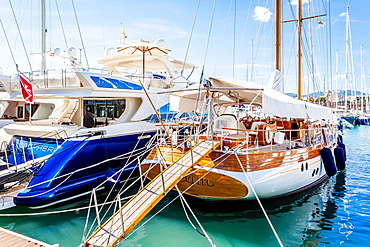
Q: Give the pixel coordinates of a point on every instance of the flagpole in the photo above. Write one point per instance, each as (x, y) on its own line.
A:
(26, 91)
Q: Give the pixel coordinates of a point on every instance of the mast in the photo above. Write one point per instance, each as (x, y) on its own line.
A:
(43, 37)
(311, 54)
(347, 62)
(362, 80)
(299, 44)
(278, 35)
(336, 80)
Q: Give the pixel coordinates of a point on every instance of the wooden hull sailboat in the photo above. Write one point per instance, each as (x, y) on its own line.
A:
(249, 142)
(277, 147)
(266, 156)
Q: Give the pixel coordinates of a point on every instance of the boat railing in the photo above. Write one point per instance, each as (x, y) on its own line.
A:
(52, 78)
(25, 148)
(274, 139)
(246, 140)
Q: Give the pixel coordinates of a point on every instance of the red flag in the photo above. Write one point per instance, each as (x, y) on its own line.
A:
(26, 88)
(320, 22)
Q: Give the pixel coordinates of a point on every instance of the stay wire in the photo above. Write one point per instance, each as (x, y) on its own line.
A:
(79, 31)
(123, 189)
(20, 35)
(222, 38)
(222, 158)
(61, 24)
(190, 38)
(208, 39)
(7, 41)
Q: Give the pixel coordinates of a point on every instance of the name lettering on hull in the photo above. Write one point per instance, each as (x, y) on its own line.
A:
(192, 179)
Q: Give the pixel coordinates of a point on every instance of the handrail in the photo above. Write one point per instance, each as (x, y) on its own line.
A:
(307, 136)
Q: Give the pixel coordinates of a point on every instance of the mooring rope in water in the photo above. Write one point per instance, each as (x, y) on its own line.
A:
(259, 202)
(61, 211)
(183, 203)
(123, 189)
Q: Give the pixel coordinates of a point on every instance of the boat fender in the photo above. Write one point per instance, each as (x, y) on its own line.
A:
(328, 160)
(339, 158)
(111, 180)
(340, 139)
(342, 145)
(268, 135)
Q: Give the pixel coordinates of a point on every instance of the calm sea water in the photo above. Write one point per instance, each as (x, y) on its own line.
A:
(337, 213)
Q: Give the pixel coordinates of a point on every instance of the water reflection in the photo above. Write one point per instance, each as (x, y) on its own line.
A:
(299, 219)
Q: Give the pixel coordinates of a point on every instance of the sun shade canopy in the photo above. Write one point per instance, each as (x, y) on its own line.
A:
(232, 91)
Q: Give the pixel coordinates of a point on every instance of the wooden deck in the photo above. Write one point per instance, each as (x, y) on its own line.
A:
(13, 239)
(125, 219)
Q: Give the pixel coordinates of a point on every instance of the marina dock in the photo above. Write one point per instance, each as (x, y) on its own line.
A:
(13, 239)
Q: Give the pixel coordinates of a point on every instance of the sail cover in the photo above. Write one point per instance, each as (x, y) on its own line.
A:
(232, 91)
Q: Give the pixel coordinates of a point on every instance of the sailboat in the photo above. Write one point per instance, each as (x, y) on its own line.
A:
(288, 148)
(253, 142)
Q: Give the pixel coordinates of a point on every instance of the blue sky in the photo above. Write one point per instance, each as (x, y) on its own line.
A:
(247, 54)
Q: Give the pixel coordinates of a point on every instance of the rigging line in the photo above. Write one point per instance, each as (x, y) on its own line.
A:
(259, 202)
(119, 193)
(209, 37)
(86, 231)
(122, 189)
(19, 31)
(222, 38)
(258, 39)
(79, 31)
(190, 38)
(7, 41)
(183, 201)
(61, 24)
(140, 152)
(50, 29)
(330, 46)
(234, 39)
(165, 206)
(75, 171)
(244, 30)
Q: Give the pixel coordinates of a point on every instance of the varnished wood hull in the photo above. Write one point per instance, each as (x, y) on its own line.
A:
(220, 176)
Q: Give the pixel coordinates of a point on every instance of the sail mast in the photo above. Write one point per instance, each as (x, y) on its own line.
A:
(299, 55)
(362, 80)
(347, 62)
(43, 37)
(278, 35)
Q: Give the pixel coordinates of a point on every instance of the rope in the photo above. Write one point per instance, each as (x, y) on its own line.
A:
(68, 175)
(20, 35)
(128, 162)
(59, 211)
(259, 202)
(203, 233)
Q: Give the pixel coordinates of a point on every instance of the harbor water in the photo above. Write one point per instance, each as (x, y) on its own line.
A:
(336, 213)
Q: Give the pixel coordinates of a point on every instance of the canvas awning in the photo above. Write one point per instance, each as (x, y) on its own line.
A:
(232, 91)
